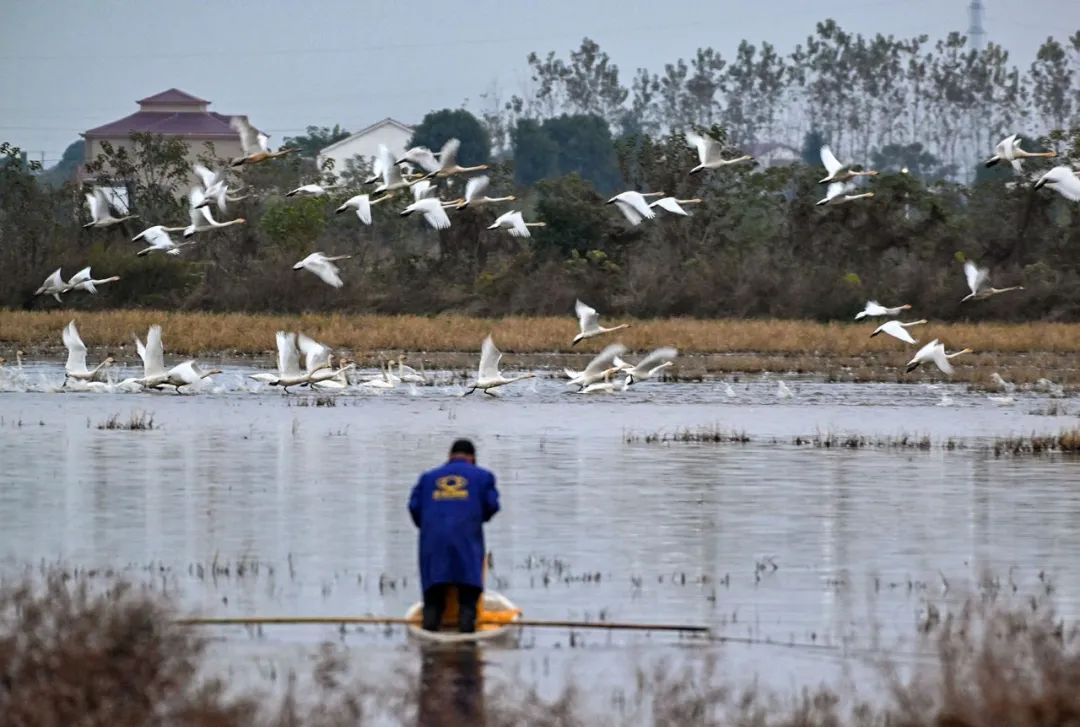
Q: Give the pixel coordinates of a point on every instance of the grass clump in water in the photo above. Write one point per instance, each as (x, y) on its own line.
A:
(137, 421)
(1066, 442)
(707, 435)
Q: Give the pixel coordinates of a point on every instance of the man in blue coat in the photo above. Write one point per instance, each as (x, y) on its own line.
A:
(450, 505)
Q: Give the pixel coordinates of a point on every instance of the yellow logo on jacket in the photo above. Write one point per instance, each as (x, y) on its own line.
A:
(451, 487)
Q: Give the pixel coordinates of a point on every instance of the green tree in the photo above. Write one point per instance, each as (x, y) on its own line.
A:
(579, 144)
(316, 139)
(575, 214)
(1051, 84)
(912, 157)
(811, 148)
(437, 127)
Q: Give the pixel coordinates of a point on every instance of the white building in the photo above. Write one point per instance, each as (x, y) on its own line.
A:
(365, 144)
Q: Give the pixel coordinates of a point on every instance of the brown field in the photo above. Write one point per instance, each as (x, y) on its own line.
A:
(1022, 352)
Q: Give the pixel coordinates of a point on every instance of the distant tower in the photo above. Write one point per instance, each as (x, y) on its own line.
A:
(976, 32)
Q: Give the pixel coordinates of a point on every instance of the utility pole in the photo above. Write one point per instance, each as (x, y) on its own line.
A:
(976, 32)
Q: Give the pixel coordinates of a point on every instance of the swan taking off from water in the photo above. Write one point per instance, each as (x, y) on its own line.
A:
(1062, 180)
(99, 210)
(514, 223)
(1008, 149)
(601, 365)
(323, 266)
(841, 193)
(634, 206)
(488, 376)
(288, 364)
(838, 172)
(711, 153)
(648, 367)
(589, 321)
(153, 358)
(160, 241)
(433, 212)
(474, 193)
(201, 219)
(362, 204)
(978, 279)
(255, 144)
(934, 352)
(874, 309)
(896, 329)
(187, 373)
(674, 206)
(319, 361)
(75, 368)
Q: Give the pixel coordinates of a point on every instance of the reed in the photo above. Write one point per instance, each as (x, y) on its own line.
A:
(195, 333)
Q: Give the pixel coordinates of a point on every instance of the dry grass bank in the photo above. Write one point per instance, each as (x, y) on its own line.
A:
(201, 333)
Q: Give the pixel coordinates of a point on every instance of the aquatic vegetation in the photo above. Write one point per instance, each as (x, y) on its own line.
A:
(88, 648)
(1066, 441)
(137, 421)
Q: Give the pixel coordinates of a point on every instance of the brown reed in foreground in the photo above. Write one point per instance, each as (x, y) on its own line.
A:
(113, 654)
(195, 333)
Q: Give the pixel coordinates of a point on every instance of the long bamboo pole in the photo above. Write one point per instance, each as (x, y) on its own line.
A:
(398, 620)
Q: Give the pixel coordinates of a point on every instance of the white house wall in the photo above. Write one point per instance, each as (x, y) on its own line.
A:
(367, 145)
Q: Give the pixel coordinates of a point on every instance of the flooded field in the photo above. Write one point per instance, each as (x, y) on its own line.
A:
(241, 500)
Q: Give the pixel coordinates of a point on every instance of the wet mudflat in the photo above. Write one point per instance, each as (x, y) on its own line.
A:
(245, 501)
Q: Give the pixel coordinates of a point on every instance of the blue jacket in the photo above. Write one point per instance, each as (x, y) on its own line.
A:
(450, 504)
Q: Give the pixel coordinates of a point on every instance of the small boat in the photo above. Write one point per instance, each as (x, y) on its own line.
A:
(495, 621)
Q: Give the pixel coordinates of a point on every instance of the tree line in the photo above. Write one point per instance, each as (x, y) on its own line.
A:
(756, 246)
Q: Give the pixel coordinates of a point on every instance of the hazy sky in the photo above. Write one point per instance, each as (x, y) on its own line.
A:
(70, 66)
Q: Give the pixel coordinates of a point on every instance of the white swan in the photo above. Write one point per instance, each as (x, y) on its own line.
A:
(602, 363)
(838, 172)
(674, 206)
(83, 280)
(634, 206)
(391, 175)
(514, 223)
(385, 379)
(711, 153)
(1008, 150)
(319, 360)
(589, 322)
(1062, 180)
(54, 285)
(215, 188)
(474, 193)
(362, 204)
(99, 210)
(201, 219)
(423, 190)
(896, 329)
(1002, 384)
(783, 391)
(448, 165)
(187, 373)
(605, 385)
(648, 367)
(488, 376)
(978, 279)
(256, 144)
(311, 190)
(160, 241)
(407, 374)
(420, 156)
(323, 266)
(433, 212)
(934, 352)
(874, 309)
(288, 364)
(75, 368)
(841, 193)
(153, 358)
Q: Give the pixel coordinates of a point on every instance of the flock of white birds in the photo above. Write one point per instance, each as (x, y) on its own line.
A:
(418, 171)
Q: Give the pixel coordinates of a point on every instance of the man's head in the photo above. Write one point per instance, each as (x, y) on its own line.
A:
(463, 449)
